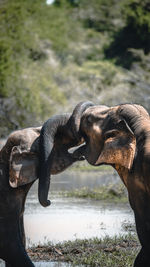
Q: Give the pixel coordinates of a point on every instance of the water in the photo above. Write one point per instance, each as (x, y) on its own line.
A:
(71, 218)
(51, 264)
(77, 179)
(45, 264)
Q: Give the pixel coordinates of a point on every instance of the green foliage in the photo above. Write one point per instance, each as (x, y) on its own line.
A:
(6, 65)
(22, 58)
(52, 56)
(135, 33)
(138, 20)
(16, 42)
(100, 15)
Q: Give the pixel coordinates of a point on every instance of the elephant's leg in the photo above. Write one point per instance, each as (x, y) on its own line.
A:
(22, 234)
(8, 265)
(143, 231)
(18, 258)
(141, 259)
(14, 252)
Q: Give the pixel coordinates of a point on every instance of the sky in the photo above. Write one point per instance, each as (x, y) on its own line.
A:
(49, 2)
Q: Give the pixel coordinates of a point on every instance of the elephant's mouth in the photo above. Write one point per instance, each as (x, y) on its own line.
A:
(62, 162)
(85, 152)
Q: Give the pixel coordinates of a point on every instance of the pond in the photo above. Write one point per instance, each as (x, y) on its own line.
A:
(71, 218)
(45, 264)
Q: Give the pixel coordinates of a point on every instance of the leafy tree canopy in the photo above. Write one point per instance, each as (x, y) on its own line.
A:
(135, 33)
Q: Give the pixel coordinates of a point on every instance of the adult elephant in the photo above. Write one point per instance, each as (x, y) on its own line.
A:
(21, 163)
(120, 136)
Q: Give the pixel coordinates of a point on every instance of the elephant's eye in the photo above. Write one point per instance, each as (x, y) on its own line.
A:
(111, 134)
(89, 120)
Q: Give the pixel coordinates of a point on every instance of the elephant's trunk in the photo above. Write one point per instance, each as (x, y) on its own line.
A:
(47, 153)
(74, 121)
(47, 135)
(134, 115)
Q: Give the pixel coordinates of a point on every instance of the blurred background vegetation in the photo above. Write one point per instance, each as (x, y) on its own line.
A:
(53, 56)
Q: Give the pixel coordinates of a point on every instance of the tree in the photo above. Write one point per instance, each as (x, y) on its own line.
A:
(135, 34)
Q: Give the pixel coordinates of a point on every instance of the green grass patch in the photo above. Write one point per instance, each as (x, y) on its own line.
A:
(115, 193)
(84, 166)
(107, 252)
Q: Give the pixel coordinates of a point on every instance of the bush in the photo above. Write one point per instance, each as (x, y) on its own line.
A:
(135, 33)
(6, 66)
(99, 15)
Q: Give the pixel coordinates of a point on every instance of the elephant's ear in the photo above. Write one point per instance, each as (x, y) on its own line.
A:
(119, 146)
(23, 167)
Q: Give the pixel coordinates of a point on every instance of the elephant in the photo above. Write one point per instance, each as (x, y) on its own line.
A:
(29, 154)
(120, 136)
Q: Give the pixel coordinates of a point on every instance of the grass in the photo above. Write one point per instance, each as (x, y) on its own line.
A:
(84, 166)
(115, 193)
(107, 252)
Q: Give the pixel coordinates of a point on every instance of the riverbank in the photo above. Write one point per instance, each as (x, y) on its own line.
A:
(70, 218)
(84, 166)
(117, 252)
(90, 224)
(110, 193)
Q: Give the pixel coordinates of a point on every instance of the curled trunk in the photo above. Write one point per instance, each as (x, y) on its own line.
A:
(47, 136)
(74, 121)
(59, 133)
(134, 115)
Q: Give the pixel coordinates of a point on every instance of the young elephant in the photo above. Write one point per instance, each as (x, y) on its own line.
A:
(120, 136)
(21, 163)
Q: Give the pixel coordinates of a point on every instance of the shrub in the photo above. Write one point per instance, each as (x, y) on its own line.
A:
(135, 33)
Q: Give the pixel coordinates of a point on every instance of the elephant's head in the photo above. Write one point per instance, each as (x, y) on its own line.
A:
(33, 153)
(120, 136)
(20, 156)
(111, 134)
(58, 134)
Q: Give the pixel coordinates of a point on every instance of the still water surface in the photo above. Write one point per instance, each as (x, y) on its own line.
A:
(45, 264)
(71, 218)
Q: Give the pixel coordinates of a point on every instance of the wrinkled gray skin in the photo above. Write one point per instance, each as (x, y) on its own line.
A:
(120, 136)
(22, 160)
(56, 144)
